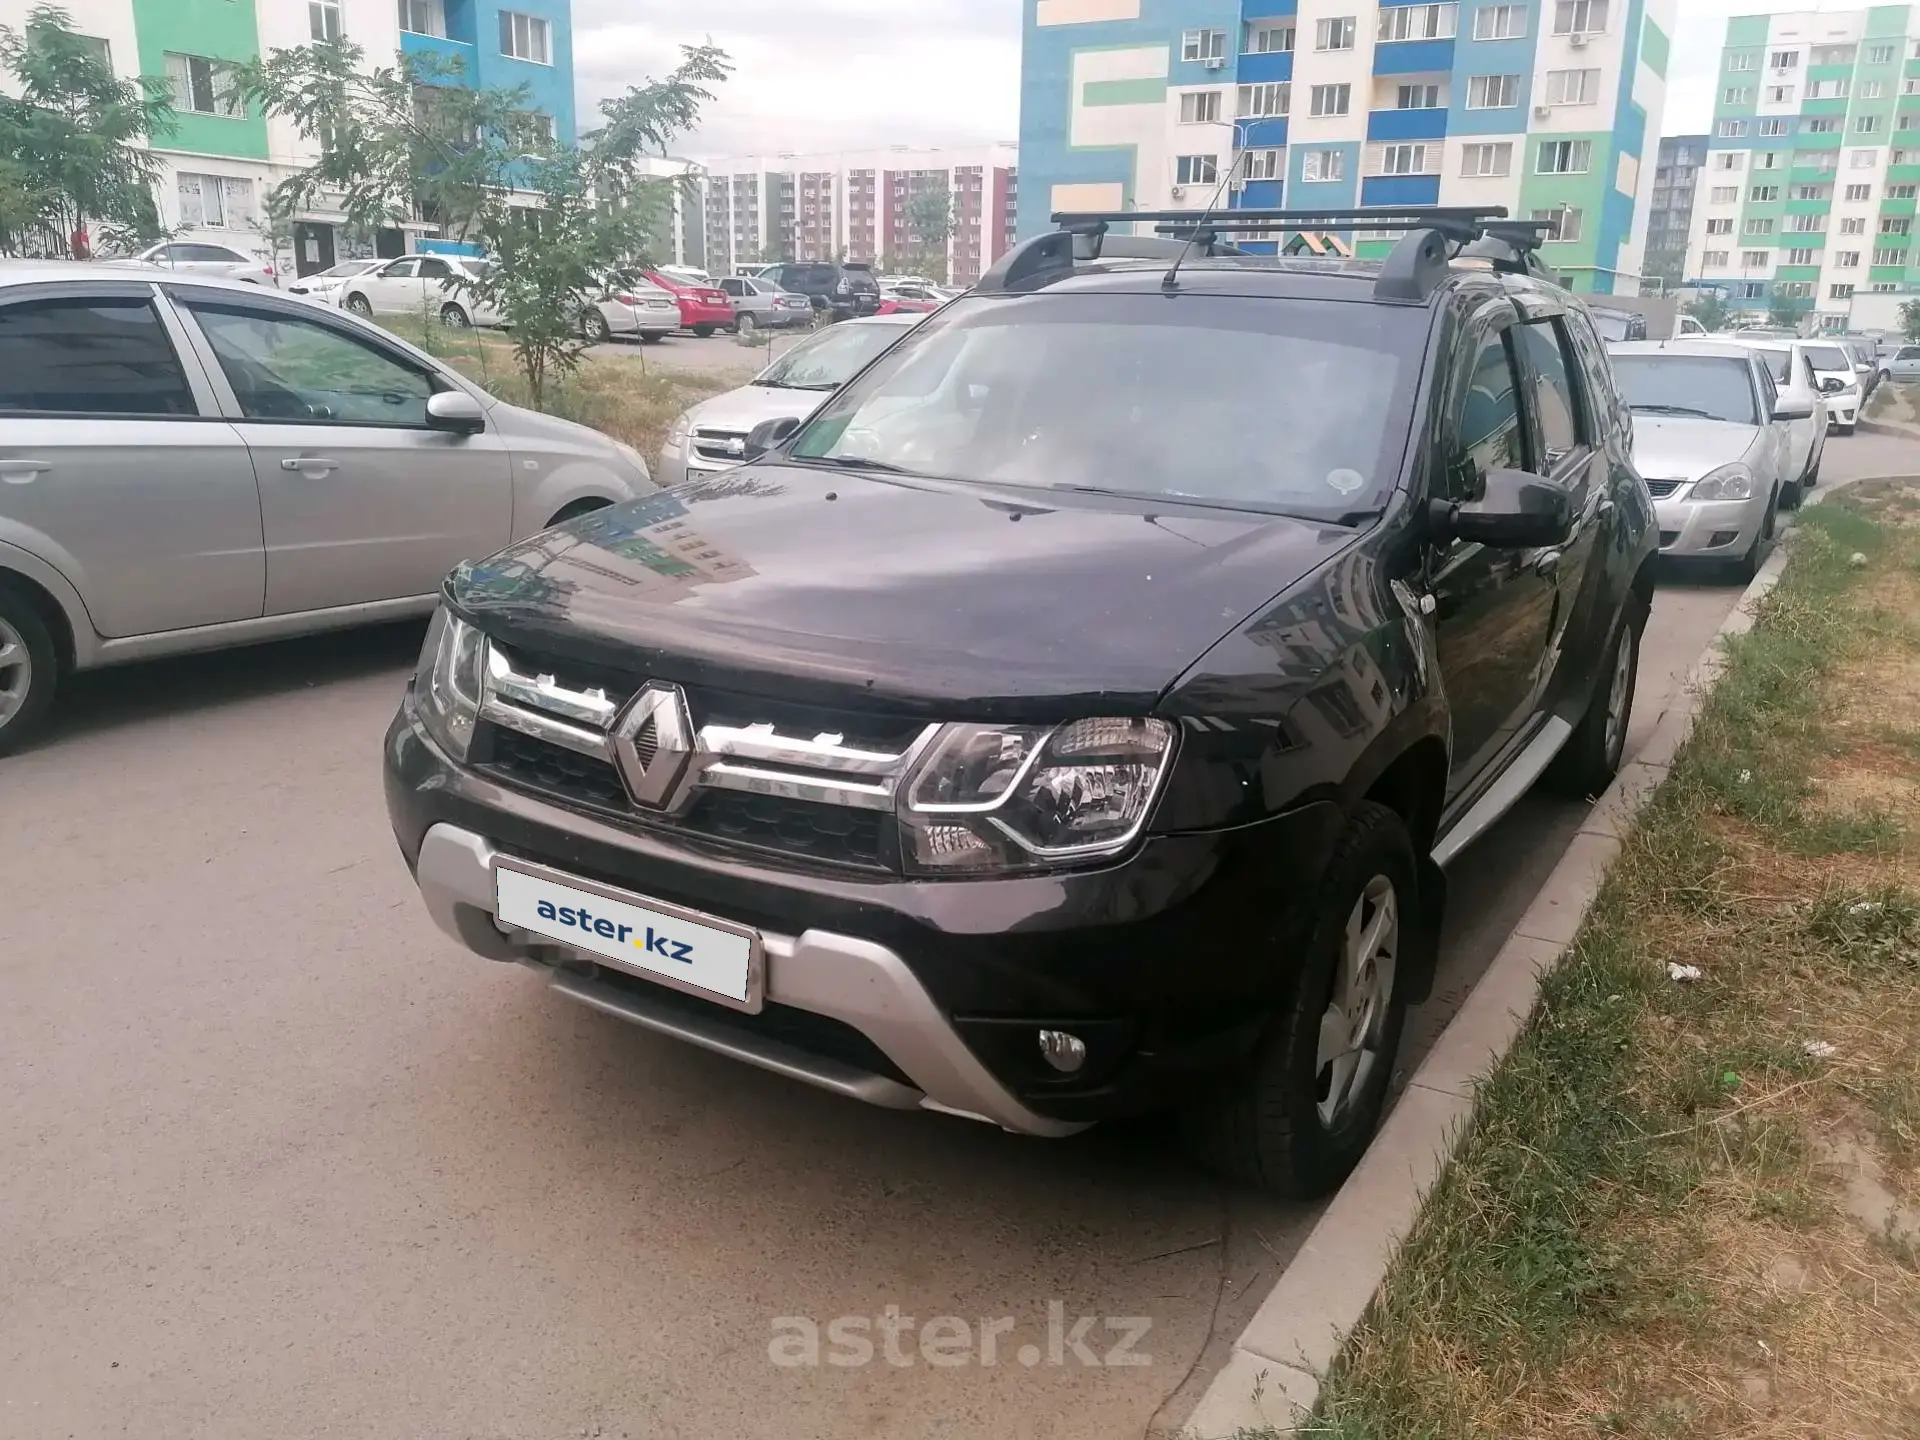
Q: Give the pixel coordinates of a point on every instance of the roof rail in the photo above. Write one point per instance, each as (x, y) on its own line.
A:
(1434, 236)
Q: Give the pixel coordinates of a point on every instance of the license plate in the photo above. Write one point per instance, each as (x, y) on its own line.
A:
(679, 948)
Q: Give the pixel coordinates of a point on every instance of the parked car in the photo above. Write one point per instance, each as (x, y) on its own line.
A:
(908, 300)
(325, 285)
(1902, 365)
(1791, 370)
(338, 477)
(1027, 735)
(1839, 381)
(704, 306)
(712, 435)
(421, 286)
(840, 291)
(631, 306)
(1685, 325)
(1712, 437)
(216, 262)
(1861, 350)
(762, 305)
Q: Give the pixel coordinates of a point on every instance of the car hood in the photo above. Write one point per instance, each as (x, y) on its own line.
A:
(746, 407)
(927, 597)
(1684, 447)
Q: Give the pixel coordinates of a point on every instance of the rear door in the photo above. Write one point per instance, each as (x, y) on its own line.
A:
(116, 466)
(394, 288)
(362, 499)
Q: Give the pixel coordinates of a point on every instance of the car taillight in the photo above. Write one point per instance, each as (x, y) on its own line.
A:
(719, 297)
(625, 299)
(269, 269)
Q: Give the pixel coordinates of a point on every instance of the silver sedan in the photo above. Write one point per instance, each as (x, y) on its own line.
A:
(1712, 437)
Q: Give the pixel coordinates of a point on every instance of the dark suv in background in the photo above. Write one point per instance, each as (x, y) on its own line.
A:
(1075, 715)
(840, 290)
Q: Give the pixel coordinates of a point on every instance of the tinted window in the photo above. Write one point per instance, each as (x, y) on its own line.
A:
(1699, 385)
(284, 367)
(1287, 405)
(89, 357)
(1829, 357)
(1488, 428)
(810, 277)
(1554, 397)
(436, 270)
(734, 287)
(401, 270)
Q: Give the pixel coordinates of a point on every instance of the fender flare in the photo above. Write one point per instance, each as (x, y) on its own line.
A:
(49, 577)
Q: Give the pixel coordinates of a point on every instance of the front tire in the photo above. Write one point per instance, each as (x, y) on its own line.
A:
(1297, 1116)
(1844, 429)
(29, 670)
(652, 337)
(361, 306)
(1591, 758)
(703, 331)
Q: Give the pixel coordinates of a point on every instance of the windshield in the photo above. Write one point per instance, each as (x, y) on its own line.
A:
(830, 359)
(1612, 325)
(1292, 406)
(350, 267)
(1704, 385)
(1828, 357)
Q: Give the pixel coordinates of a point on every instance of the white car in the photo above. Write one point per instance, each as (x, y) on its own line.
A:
(635, 307)
(1791, 369)
(1839, 381)
(712, 436)
(197, 257)
(1686, 326)
(325, 285)
(422, 285)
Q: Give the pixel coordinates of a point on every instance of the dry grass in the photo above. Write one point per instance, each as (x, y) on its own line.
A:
(1678, 1213)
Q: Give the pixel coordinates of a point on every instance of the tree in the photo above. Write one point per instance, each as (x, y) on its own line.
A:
(556, 219)
(1710, 310)
(930, 221)
(73, 141)
(1910, 319)
(1786, 310)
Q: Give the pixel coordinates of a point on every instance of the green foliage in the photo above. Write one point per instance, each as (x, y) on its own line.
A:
(1710, 310)
(73, 141)
(1910, 319)
(1786, 310)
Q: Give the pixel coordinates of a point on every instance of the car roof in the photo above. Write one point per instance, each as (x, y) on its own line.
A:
(1683, 345)
(50, 272)
(911, 318)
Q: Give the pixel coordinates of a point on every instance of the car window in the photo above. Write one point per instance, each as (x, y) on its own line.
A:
(1704, 386)
(1828, 357)
(1612, 324)
(82, 356)
(1488, 431)
(734, 287)
(1908, 352)
(1779, 365)
(218, 254)
(286, 367)
(1769, 392)
(401, 270)
(829, 359)
(435, 270)
(1555, 401)
(1806, 368)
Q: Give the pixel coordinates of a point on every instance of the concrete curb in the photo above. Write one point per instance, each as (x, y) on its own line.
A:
(1272, 1378)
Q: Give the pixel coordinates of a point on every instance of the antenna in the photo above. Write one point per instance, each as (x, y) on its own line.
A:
(1170, 282)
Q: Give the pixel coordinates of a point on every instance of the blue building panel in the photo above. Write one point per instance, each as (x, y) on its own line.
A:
(1472, 57)
(1413, 57)
(1257, 69)
(1630, 138)
(1406, 124)
(1252, 10)
(1400, 190)
(1266, 134)
(446, 55)
(474, 39)
(1260, 195)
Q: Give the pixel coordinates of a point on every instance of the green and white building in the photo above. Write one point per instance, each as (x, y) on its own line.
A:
(1813, 162)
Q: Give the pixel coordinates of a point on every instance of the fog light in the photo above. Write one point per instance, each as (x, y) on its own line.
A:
(1065, 1053)
(1722, 537)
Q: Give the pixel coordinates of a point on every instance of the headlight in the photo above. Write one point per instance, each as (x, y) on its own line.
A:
(1011, 797)
(634, 458)
(678, 431)
(1729, 482)
(446, 684)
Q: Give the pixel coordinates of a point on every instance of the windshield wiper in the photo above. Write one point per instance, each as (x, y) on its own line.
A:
(860, 462)
(1166, 497)
(1675, 410)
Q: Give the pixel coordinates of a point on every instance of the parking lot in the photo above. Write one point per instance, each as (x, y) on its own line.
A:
(279, 1159)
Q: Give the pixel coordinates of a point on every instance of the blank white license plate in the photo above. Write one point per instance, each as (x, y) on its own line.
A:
(679, 948)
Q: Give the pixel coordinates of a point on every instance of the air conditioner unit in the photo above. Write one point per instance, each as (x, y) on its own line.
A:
(1178, 192)
(1217, 62)
(1577, 40)
(1542, 112)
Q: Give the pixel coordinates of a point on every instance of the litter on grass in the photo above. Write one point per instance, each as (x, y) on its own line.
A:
(1685, 974)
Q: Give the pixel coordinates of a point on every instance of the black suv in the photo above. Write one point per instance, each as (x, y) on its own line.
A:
(1073, 716)
(843, 291)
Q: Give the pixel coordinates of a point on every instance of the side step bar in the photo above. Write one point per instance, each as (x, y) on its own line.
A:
(1528, 766)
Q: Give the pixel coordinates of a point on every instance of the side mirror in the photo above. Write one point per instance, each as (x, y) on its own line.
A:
(1793, 405)
(1832, 385)
(1516, 509)
(455, 411)
(769, 433)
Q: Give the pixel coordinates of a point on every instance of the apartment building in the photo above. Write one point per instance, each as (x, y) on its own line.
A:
(1813, 162)
(860, 206)
(1545, 107)
(1676, 175)
(224, 157)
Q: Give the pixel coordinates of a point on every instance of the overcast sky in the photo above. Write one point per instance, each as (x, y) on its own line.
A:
(863, 74)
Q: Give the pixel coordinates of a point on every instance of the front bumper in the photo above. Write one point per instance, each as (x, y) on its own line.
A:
(930, 992)
(1843, 410)
(693, 312)
(1709, 528)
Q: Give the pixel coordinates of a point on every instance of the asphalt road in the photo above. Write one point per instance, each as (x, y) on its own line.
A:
(721, 355)
(278, 1160)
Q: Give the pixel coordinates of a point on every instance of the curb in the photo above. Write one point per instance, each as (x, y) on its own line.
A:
(1271, 1380)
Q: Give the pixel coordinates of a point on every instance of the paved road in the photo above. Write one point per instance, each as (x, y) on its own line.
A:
(278, 1160)
(721, 355)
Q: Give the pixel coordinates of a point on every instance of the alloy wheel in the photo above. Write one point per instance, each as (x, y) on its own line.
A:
(745, 325)
(1354, 1025)
(16, 671)
(453, 317)
(1618, 689)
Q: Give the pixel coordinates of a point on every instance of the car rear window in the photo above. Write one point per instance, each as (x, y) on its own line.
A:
(1292, 406)
(1828, 357)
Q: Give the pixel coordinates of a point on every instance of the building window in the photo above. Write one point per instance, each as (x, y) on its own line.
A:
(534, 131)
(219, 202)
(1866, 124)
(1894, 157)
(423, 17)
(1201, 107)
(1764, 192)
(1901, 225)
(1871, 89)
(1796, 289)
(1907, 122)
(1846, 260)
(1563, 222)
(1779, 94)
(1324, 165)
(1196, 170)
(1831, 55)
(1736, 95)
(1487, 158)
(1859, 192)
(323, 21)
(202, 86)
(1493, 92)
(1416, 97)
(1573, 87)
(1403, 160)
(1813, 192)
(1757, 227)
(1720, 227)
(1332, 99)
(1203, 45)
(1801, 256)
(1786, 59)
(1767, 160)
(1268, 37)
(1880, 54)
(1841, 291)
(1724, 194)
(525, 37)
(1730, 129)
(1902, 192)
(1866, 159)
(1564, 157)
(1263, 165)
(1500, 22)
(1713, 257)
(1853, 225)
(1773, 127)
(1752, 290)
(1333, 33)
(1752, 258)
(1890, 255)
(1273, 98)
(1741, 61)
(1579, 17)
(1882, 287)
(1728, 160)
(1822, 124)
(1418, 22)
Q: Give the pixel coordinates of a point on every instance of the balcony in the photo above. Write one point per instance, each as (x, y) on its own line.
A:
(439, 48)
(1407, 124)
(1412, 57)
(1400, 190)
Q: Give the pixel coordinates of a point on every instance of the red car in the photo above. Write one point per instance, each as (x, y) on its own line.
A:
(906, 300)
(703, 308)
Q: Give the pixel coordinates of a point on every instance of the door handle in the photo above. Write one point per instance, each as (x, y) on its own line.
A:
(21, 472)
(309, 464)
(1547, 565)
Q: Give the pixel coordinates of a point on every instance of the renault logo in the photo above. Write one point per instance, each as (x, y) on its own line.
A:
(653, 746)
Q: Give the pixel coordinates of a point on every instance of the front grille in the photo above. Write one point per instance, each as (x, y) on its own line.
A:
(1660, 489)
(728, 447)
(532, 764)
(830, 833)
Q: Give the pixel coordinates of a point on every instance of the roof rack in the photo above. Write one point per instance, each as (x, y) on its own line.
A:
(1434, 236)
